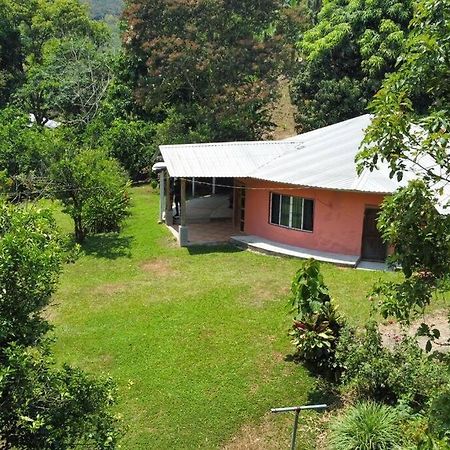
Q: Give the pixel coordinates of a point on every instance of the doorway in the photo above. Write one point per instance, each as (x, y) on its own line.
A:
(239, 207)
(373, 247)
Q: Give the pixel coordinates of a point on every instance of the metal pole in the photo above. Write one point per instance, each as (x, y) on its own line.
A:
(169, 211)
(297, 410)
(183, 229)
(161, 195)
(183, 202)
(294, 430)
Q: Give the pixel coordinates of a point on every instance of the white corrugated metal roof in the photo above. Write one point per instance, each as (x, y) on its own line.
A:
(323, 158)
(328, 161)
(222, 159)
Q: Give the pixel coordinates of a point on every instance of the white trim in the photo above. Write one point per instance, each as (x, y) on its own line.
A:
(291, 201)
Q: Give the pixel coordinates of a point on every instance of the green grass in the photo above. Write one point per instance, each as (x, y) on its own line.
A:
(196, 339)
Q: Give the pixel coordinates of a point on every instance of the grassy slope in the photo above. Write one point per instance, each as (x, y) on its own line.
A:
(196, 339)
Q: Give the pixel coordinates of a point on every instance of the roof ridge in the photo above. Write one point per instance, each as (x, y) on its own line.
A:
(298, 146)
(215, 144)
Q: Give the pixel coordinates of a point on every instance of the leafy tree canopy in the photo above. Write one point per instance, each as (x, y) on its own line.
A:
(412, 109)
(216, 62)
(69, 83)
(344, 58)
(11, 57)
(27, 25)
(26, 152)
(411, 127)
(43, 20)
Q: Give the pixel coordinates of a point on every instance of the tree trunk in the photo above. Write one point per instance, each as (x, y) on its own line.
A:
(79, 230)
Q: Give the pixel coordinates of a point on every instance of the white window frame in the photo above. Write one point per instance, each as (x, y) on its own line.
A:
(291, 201)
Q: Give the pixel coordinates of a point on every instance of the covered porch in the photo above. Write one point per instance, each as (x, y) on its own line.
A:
(209, 220)
(198, 211)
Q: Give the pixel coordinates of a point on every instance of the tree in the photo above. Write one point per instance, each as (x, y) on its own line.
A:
(69, 83)
(344, 58)
(41, 406)
(93, 189)
(26, 152)
(215, 62)
(43, 20)
(26, 26)
(131, 142)
(11, 57)
(411, 128)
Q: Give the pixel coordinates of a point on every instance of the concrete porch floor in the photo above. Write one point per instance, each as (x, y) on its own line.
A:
(275, 248)
(208, 233)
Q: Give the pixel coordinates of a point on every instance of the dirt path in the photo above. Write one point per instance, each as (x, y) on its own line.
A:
(391, 332)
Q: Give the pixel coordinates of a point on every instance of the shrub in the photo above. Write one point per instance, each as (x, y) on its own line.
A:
(316, 324)
(42, 405)
(405, 373)
(439, 416)
(30, 263)
(367, 426)
(49, 407)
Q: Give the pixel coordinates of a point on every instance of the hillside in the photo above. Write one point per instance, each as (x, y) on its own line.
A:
(101, 8)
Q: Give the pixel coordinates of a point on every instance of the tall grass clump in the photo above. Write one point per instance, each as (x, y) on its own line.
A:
(367, 426)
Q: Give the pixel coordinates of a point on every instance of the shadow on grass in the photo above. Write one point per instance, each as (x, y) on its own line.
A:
(109, 246)
(211, 248)
(326, 389)
(326, 393)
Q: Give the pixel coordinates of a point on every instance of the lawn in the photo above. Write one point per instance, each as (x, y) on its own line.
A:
(196, 339)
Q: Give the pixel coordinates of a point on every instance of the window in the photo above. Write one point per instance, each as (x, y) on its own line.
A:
(291, 212)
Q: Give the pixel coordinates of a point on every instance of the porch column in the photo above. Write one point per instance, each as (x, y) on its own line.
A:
(169, 212)
(161, 196)
(183, 230)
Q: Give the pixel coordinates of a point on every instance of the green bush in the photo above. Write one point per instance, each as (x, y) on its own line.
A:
(30, 263)
(42, 405)
(404, 373)
(49, 407)
(439, 416)
(367, 426)
(316, 324)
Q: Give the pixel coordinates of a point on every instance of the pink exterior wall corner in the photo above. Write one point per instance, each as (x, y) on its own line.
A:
(338, 217)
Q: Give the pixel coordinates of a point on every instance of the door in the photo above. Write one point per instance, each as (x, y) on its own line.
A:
(242, 209)
(373, 247)
(239, 207)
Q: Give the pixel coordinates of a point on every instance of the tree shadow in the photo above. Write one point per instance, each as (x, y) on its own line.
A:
(325, 392)
(109, 246)
(203, 249)
(326, 388)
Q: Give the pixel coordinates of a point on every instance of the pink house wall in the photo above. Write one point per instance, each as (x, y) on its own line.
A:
(338, 217)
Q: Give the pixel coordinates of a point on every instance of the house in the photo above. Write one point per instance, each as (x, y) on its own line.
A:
(301, 193)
